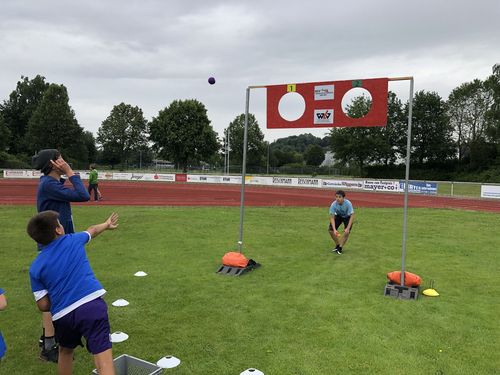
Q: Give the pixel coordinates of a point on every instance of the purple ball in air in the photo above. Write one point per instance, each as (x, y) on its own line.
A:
(211, 80)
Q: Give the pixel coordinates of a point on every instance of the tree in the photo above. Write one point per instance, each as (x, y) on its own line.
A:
(182, 133)
(19, 108)
(122, 133)
(355, 144)
(432, 134)
(4, 135)
(297, 143)
(314, 155)
(392, 138)
(256, 150)
(53, 125)
(89, 142)
(493, 113)
(279, 157)
(468, 107)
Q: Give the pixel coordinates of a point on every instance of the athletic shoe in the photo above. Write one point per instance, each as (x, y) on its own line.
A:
(51, 355)
(339, 250)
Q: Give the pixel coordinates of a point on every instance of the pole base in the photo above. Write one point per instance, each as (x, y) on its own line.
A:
(236, 271)
(401, 292)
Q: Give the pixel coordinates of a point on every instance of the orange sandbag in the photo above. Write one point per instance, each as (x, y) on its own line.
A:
(410, 278)
(234, 259)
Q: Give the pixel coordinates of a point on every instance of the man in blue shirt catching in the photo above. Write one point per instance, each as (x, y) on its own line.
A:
(63, 283)
(52, 194)
(341, 212)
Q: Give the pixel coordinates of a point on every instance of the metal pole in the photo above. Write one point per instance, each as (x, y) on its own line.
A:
(244, 169)
(268, 147)
(407, 177)
(228, 145)
(225, 154)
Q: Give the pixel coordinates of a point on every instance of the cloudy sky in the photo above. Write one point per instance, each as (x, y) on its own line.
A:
(150, 52)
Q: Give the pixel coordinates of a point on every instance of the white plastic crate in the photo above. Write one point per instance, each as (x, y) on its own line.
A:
(128, 365)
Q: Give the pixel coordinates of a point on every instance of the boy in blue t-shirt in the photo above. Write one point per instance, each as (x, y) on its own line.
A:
(3, 305)
(53, 195)
(63, 283)
(341, 212)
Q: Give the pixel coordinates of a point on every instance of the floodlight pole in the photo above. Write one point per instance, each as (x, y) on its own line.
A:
(407, 173)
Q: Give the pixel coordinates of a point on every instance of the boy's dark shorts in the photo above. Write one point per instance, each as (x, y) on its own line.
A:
(339, 220)
(90, 321)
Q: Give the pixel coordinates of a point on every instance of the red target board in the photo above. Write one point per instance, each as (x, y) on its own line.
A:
(323, 104)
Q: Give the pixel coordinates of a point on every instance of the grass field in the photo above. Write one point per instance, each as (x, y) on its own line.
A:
(305, 311)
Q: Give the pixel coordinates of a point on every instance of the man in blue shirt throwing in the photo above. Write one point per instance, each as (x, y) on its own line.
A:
(52, 194)
(341, 212)
(63, 283)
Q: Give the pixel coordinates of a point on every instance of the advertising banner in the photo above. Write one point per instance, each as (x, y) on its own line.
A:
(343, 184)
(120, 176)
(284, 181)
(213, 179)
(164, 177)
(420, 187)
(19, 173)
(386, 186)
(180, 177)
(258, 180)
(490, 191)
(309, 182)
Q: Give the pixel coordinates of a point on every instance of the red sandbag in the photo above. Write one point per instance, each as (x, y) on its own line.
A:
(234, 259)
(410, 278)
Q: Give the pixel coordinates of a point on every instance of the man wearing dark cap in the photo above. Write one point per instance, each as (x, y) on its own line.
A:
(53, 195)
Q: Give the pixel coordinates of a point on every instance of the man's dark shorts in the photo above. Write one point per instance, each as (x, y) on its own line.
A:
(90, 321)
(339, 220)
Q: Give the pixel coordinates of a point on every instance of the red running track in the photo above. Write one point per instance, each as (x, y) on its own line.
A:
(120, 193)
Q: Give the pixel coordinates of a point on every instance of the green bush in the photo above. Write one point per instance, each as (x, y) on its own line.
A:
(9, 161)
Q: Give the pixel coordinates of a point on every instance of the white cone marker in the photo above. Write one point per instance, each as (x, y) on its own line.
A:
(169, 361)
(140, 274)
(120, 303)
(252, 371)
(118, 336)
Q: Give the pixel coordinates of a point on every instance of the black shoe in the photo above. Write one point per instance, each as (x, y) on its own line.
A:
(339, 250)
(50, 355)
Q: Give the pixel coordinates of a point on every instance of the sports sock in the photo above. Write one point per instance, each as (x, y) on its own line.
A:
(49, 342)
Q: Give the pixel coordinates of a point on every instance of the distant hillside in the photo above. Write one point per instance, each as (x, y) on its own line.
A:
(299, 143)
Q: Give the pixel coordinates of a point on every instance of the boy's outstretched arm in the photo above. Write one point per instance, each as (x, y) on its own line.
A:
(3, 302)
(110, 224)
